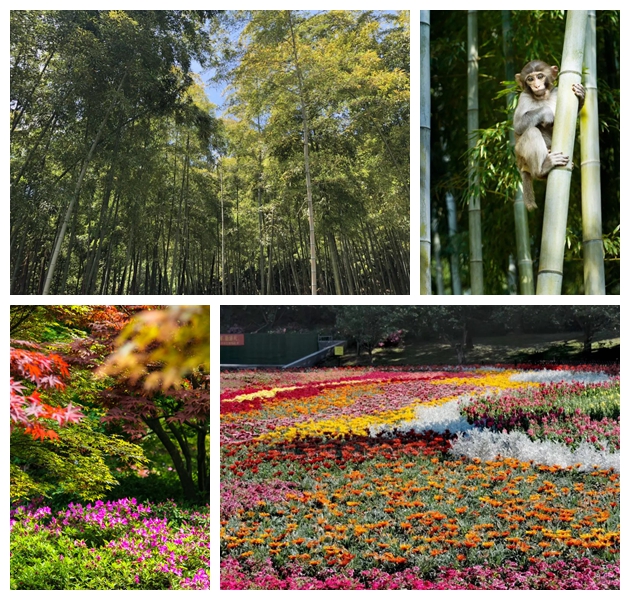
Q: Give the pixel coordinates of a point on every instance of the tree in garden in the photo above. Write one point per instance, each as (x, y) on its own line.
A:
(58, 445)
(452, 324)
(590, 319)
(369, 325)
(173, 407)
(161, 366)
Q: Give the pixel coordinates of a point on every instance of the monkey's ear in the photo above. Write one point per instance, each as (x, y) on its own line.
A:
(554, 72)
(519, 81)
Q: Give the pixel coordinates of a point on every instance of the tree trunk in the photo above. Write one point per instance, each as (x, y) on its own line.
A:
(203, 480)
(185, 477)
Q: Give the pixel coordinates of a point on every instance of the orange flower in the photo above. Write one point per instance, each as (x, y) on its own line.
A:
(345, 558)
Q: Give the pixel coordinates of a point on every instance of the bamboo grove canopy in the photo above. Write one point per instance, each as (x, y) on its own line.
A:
(126, 179)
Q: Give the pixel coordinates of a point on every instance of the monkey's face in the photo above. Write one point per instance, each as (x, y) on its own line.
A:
(538, 83)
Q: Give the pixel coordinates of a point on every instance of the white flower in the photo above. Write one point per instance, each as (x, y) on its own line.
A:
(487, 445)
(435, 418)
(568, 376)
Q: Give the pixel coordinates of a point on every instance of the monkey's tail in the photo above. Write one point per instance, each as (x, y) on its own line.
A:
(528, 191)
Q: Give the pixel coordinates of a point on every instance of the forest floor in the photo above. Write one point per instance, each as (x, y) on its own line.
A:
(565, 347)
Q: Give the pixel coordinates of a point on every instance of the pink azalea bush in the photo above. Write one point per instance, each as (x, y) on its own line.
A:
(118, 545)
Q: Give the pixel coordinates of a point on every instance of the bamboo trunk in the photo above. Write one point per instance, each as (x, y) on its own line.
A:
(451, 210)
(474, 202)
(592, 244)
(521, 223)
(307, 168)
(425, 154)
(559, 180)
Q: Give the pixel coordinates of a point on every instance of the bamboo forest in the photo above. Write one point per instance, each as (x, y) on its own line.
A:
(129, 176)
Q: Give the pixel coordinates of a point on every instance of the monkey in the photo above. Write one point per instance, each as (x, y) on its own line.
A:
(533, 124)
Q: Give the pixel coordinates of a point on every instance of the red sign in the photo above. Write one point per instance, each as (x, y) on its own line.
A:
(232, 339)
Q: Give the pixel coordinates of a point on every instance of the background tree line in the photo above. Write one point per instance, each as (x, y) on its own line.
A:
(124, 180)
(367, 327)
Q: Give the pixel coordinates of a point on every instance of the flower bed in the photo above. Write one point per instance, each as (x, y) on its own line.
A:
(479, 479)
(114, 545)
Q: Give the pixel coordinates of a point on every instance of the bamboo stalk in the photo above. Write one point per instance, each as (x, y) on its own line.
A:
(521, 223)
(474, 202)
(592, 244)
(425, 155)
(559, 181)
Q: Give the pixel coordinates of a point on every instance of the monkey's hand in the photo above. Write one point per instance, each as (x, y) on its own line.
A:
(553, 160)
(580, 92)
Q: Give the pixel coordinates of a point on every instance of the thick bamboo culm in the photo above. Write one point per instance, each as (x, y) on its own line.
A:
(550, 270)
(521, 223)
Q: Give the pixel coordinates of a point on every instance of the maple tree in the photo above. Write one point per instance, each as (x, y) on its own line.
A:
(162, 386)
(176, 337)
(151, 386)
(28, 409)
